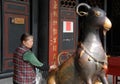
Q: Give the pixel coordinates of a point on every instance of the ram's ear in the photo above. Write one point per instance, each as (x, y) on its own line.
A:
(82, 13)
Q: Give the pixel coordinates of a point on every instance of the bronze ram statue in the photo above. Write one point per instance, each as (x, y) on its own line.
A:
(90, 60)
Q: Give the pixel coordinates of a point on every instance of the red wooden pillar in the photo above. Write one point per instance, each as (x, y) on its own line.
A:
(53, 33)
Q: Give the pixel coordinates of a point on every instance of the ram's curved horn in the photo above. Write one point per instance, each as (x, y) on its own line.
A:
(82, 13)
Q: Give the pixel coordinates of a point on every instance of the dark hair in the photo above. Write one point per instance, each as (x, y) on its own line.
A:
(25, 37)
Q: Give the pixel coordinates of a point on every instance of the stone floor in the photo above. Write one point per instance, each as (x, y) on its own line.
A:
(9, 80)
(6, 81)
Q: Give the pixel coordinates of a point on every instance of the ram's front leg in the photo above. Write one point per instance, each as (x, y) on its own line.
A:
(51, 78)
(88, 81)
(103, 78)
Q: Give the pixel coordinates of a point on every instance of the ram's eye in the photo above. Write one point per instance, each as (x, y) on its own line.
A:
(97, 13)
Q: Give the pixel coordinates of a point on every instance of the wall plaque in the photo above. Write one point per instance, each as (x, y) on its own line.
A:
(18, 20)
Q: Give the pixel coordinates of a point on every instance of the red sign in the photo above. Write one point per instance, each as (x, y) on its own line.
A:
(67, 27)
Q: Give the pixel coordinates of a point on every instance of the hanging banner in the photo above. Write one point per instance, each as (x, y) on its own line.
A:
(53, 33)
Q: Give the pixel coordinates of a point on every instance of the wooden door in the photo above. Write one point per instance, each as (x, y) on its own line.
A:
(15, 23)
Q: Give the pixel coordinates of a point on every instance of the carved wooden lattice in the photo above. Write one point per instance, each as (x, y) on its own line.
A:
(68, 3)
